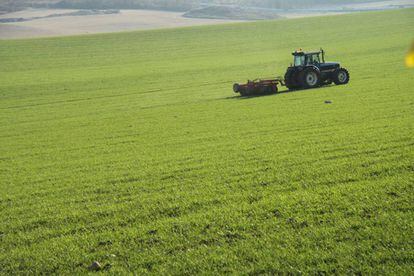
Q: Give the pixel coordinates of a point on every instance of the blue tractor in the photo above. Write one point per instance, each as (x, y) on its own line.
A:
(310, 70)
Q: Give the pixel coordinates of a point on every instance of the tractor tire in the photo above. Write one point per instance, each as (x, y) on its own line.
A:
(310, 78)
(290, 82)
(341, 76)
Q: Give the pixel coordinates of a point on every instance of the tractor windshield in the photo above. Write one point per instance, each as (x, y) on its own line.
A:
(299, 60)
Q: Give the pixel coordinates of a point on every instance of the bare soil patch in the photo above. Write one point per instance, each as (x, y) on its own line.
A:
(125, 20)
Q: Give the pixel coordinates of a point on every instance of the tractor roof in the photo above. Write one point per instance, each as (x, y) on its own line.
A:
(302, 53)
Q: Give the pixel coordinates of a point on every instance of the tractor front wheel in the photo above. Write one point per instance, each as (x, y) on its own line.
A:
(341, 76)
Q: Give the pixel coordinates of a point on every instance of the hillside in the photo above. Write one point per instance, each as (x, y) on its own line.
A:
(177, 5)
(132, 150)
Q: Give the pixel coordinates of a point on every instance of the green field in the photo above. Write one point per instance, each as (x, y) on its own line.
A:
(132, 150)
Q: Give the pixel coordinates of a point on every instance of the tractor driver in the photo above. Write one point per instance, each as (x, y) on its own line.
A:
(313, 60)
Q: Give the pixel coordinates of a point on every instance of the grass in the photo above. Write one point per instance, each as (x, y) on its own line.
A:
(132, 150)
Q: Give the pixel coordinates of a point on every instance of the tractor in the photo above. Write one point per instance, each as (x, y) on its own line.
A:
(309, 70)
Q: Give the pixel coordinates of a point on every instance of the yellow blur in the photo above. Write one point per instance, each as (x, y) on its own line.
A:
(409, 59)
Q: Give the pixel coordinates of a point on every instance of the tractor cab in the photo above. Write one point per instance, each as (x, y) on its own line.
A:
(305, 59)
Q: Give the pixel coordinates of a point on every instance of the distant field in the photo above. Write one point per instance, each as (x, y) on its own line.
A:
(131, 149)
(44, 22)
(125, 20)
(180, 5)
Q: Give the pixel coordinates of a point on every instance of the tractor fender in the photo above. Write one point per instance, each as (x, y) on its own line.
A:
(313, 67)
(303, 68)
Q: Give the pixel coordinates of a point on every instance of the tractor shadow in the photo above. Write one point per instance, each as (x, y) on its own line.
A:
(286, 91)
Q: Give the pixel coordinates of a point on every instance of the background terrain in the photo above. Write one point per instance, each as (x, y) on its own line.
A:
(177, 5)
(62, 22)
(54, 18)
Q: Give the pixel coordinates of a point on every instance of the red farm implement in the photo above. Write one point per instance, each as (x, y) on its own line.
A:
(258, 86)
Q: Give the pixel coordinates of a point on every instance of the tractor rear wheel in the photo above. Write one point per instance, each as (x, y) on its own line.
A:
(341, 76)
(290, 81)
(310, 78)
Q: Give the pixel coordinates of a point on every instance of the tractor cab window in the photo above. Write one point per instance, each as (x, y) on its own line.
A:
(299, 60)
(313, 59)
